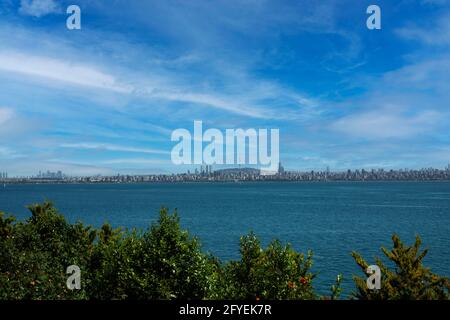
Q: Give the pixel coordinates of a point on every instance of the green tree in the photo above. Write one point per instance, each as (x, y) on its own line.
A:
(34, 254)
(277, 272)
(180, 269)
(407, 280)
(165, 262)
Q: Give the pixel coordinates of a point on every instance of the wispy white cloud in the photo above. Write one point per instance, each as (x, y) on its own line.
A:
(216, 102)
(13, 124)
(112, 147)
(8, 153)
(386, 123)
(159, 87)
(136, 161)
(6, 114)
(39, 8)
(436, 34)
(60, 70)
(435, 2)
(430, 74)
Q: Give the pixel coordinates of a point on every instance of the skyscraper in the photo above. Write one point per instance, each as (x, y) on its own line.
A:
(280, 169)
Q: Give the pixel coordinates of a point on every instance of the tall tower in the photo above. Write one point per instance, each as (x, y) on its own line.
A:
(280, 169)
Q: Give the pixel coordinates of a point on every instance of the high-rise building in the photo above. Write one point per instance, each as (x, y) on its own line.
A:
(280, 169)
(50, 175)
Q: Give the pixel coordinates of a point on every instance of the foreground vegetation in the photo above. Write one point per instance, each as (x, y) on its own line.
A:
(166, 262)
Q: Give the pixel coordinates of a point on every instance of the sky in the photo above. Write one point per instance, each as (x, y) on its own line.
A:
(105, 99)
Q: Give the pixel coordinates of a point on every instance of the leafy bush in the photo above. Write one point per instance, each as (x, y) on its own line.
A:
(34, 255)
(163, 263)
(277, 272)
(409, 280)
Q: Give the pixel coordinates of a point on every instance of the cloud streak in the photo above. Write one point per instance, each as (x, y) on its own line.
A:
(92, 77)
(386, 123)
(438, 34)
(39, 8)
(60, 70)
(6, 114)
(111, 147)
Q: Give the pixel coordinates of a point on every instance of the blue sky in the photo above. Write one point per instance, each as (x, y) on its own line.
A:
(105, 99)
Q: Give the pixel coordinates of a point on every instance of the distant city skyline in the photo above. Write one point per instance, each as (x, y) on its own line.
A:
(243, 174)
(105, 99)
(211, 169)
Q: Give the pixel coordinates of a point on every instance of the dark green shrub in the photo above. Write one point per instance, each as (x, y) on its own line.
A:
(408, 280)
(277, 272)
(163, 263)
(180, 269)
(35, 254)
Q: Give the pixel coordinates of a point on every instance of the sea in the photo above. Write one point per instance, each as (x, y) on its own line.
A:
(330, 218)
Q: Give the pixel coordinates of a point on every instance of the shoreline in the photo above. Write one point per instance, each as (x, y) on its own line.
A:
(56, 182)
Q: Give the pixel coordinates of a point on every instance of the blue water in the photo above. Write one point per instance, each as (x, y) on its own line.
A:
(332, 219)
